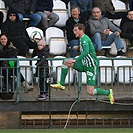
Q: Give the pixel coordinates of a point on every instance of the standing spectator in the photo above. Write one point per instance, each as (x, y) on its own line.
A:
(9, 51)
(127, 27)
(100, 29)
(42, 69)
(108, 10)
(44, 9)
(25, 8)
(85, 7)
(18, 35)
(74, 19)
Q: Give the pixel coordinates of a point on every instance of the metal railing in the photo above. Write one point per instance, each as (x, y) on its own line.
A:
(112, 74)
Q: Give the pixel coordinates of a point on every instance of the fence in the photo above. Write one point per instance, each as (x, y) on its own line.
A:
(115, 73)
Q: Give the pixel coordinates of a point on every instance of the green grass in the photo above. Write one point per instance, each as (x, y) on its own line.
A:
(89, 130)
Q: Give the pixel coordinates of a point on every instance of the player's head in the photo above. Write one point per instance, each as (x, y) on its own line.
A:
(79, 30)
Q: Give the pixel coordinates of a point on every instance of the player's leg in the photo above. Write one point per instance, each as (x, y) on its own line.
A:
(91, 79)
(66, 64)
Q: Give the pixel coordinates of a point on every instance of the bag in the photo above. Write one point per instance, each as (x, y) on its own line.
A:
(6, 95)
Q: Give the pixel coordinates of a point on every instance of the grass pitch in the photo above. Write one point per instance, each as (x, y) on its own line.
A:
(89, 130)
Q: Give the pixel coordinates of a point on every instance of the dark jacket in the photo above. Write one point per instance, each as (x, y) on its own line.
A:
(42, 64)
(69, 28)
(104, 5)
(127, 30)
(44, 5)
(21, 6)
(14, 29)
(8, 51)
(84, 5)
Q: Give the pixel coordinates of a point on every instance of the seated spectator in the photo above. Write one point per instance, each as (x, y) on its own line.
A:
(9, 51)
(108, 9)
(104, 32)
(44, 9)
(85, 7)
(74, 19)
(1, 18)
(127, 27)
(24, 8)
(131, 4)
(18, 35)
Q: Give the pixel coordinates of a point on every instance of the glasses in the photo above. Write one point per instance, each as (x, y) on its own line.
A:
(12, 15)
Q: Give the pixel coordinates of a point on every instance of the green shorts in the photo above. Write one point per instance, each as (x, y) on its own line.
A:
(91, 72)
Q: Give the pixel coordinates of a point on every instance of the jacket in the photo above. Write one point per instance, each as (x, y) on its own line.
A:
(69, 28)
(84, 5)
(42, 63)
(44, 5)
(8, 51)
(14, 29)
(21, 6)
(127, 30)
(100, 25)
(104, 5)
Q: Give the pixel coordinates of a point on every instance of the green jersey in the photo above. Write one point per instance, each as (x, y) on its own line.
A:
(87, 52)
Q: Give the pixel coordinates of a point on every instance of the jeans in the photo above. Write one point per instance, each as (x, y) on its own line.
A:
(48, 21)
(98, 43)
(71, 44)
(34, 18)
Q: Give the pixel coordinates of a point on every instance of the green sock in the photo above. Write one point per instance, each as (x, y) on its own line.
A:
(99, 91)
(64, 72)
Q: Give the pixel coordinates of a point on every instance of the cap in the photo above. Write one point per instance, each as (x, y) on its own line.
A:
(42, 42)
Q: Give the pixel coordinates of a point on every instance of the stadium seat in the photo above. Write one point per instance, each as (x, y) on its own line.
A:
(34, 33)
(123, 69)
(60, 9)
(3, 10)
(56, 41)
(119, 7)
(25, 69)
(57, 65)
(106, 71)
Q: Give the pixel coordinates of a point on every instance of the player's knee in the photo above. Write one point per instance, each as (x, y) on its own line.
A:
(90, 92)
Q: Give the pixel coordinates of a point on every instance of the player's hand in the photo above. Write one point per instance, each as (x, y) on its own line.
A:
(69, 62)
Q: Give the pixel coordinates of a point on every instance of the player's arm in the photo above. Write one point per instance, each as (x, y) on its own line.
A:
(85, 51)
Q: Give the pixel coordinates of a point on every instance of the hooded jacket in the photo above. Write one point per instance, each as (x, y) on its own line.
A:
(14, 29)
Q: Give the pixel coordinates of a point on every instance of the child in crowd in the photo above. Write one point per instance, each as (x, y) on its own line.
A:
(42, 70)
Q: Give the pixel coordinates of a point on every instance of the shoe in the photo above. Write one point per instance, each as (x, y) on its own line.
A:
(100, 52)
(27, 87)
(120, 52)
(58, 86)
(111, 97)
(42, 97)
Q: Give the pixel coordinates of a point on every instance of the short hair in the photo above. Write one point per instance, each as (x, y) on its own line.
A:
(80, 26)
(73, 7)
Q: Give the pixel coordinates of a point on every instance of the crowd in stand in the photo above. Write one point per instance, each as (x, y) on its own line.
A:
(94, 14)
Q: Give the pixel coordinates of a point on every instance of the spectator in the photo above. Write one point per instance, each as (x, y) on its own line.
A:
(44, 9)
(1, 18)
(42, 68)
(74, 19)
(127, 27)
(25, 8)
(108, 9)
(85, 7)
(131, 4)
(103, 32)
(18, 35)
(9, 51)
